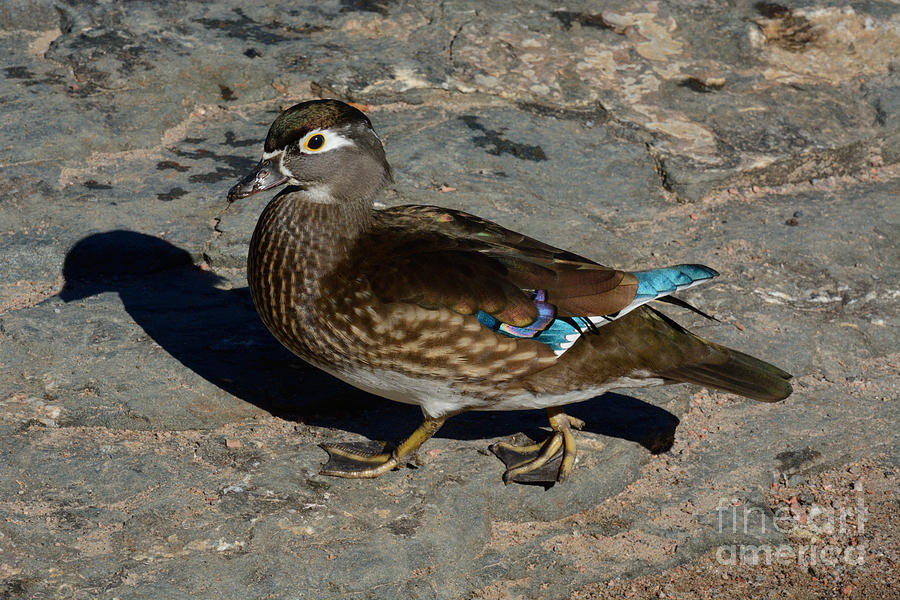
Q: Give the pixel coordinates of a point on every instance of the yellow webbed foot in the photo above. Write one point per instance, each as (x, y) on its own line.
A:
(358, 460)
(371, 459)
(548, 462)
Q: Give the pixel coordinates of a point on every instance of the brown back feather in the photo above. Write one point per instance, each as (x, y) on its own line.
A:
(437, 257)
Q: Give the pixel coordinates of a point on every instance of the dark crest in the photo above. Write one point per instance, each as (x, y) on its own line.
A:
(294, 123)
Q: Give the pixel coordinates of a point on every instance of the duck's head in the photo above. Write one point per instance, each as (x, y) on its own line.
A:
(325, 147)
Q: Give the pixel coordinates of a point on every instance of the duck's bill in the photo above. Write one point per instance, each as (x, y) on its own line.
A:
(264, 177)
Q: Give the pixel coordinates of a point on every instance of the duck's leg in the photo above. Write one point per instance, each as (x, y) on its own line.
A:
(550, 461)
(354, 461)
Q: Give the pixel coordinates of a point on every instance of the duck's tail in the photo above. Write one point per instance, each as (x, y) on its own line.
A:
(717, 366)
(739, 374)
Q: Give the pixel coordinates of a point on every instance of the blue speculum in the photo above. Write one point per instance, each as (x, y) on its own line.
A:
(561, 333)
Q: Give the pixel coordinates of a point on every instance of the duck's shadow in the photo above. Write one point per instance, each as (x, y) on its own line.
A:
(217, 334)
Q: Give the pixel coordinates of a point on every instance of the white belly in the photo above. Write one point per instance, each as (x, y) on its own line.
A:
(439, 398)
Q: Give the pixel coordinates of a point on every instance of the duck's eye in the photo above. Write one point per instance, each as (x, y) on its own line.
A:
(314, 142)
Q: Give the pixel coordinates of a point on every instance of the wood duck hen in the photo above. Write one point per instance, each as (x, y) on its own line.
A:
(439, 308)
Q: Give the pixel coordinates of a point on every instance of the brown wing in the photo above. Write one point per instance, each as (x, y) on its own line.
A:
(437, 257)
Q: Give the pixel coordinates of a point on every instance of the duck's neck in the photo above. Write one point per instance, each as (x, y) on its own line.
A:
(297, 243)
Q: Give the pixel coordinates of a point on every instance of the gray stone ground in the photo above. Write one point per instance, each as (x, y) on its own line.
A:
(157, 443)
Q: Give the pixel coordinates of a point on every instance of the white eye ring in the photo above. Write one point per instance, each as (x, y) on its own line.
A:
(332, 139)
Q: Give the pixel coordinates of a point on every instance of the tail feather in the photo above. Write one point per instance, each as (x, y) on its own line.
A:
(739, 374)
(719, 367)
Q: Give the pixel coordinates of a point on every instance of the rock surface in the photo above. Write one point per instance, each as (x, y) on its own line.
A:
(157, 442)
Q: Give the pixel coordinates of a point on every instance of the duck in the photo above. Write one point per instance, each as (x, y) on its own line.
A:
(442, 309)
